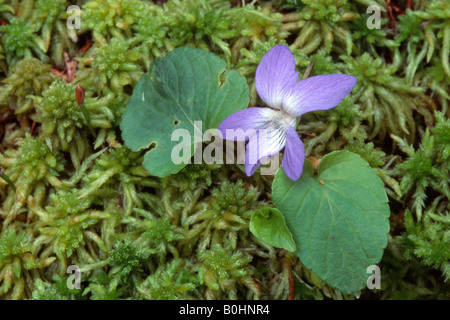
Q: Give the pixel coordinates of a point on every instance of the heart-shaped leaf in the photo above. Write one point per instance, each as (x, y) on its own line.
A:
(339, 218)
(186, 86)
(269, 226)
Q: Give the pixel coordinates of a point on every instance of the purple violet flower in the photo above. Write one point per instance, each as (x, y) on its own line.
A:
(269, 130)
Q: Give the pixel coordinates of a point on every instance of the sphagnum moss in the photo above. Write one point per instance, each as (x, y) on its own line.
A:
(28, 77)
(83, 199)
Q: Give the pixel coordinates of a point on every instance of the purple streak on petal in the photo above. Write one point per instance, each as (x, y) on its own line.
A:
(264, 144)
(250, 169)
(294, 155)
(275, 74)
(321, 92)
(242, 125)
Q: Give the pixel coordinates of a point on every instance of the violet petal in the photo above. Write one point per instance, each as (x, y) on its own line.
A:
(275, 75)
(321, 92)
(243, 124)
(294, 155)
(261, 146)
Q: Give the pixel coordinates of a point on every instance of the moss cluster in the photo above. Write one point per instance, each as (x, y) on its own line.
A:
(77, 196)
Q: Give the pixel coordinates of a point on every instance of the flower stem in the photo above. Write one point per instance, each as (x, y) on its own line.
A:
(308, 70)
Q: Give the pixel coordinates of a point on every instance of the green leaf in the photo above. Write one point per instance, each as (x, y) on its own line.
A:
(269, 226)
(339, 218)
(187, 85)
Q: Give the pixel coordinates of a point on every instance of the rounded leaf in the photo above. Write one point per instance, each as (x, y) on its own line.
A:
(339, 218)
(190, 90)
(269, 226)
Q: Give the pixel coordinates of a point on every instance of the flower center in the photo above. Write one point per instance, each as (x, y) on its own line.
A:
(282, 119)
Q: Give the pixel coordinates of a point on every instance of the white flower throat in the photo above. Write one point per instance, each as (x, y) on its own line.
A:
(281, 120)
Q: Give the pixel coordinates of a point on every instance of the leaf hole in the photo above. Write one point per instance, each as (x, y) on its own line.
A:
(176, 122)
(128, 89)
(222, 78)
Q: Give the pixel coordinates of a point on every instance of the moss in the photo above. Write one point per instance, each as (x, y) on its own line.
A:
(220, 269)
(29, 77)
(82, 198)
(32, 167)
(65, 230)
(127, 257)
(442, 135)
(117, 65)
(59, 112)
(172, 281)
(108, 18)
(16, 258)
(385, 96)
